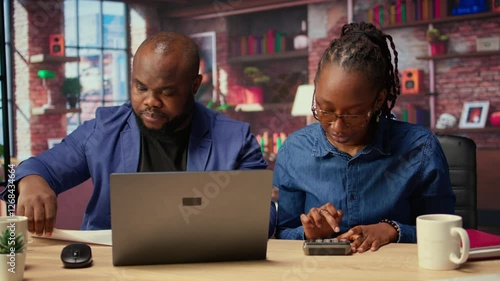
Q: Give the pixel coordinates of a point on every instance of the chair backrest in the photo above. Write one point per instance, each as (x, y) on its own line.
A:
(461, 156)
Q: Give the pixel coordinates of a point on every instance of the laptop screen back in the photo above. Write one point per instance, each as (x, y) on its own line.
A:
(179, 217)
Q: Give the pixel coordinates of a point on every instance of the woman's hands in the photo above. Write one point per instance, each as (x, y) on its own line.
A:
(370, 237)
(321, 222)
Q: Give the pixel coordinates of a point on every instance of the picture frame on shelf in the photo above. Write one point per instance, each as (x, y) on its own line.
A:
(474, 114)
(206, 42)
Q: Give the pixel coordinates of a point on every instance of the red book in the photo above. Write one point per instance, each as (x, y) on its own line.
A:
(398, 11)
(271, 41)
(251, 45)
(376, 16)
(437, 9)
(483, 245)
(410, 10)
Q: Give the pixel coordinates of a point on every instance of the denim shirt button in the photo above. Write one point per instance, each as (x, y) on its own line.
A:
(352, 196)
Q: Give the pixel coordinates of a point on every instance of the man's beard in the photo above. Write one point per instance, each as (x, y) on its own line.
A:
(166, 131)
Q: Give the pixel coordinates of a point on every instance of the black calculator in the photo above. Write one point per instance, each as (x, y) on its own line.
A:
(324, 247)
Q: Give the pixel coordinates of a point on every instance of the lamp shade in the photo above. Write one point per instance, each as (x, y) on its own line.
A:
(303, 100)
(46, 74)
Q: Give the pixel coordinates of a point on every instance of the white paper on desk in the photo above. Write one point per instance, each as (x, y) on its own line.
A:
(483, 277)
(101, 237)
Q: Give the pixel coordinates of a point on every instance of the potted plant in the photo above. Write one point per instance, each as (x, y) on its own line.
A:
(254, 80)
(12, 255)
(71, 90)
(437, 41)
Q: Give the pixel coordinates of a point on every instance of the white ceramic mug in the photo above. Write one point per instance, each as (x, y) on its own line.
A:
(439, 237)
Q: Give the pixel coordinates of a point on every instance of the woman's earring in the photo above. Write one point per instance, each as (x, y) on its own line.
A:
(378, 116)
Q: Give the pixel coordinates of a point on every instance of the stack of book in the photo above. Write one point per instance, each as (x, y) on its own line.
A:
(271, 42)
(406, 11)
(416, 115)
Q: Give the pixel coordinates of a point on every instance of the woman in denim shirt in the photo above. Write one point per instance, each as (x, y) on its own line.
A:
(358, 174)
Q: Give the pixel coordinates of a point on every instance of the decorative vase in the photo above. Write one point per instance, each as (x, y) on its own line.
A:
(254, 94)
(438, 48)
(12, 267)
(495, 119)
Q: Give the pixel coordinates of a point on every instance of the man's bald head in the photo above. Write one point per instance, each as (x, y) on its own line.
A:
(165, 43)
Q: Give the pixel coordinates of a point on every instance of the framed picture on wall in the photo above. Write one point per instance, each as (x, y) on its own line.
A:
(474, 114)
(208, 66)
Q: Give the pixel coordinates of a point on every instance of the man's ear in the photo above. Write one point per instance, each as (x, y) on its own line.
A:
(382, 95)
(196, 84)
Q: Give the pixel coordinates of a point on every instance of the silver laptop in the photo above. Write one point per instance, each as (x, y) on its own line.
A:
(182, 217)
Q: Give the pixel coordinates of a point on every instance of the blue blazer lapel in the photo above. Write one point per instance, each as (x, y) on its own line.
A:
(200, 140)
(130, 145)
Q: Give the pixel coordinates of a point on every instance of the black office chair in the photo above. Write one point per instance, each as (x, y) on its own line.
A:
(461, 156)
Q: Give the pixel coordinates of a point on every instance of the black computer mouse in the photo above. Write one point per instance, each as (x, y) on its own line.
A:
(76, 255)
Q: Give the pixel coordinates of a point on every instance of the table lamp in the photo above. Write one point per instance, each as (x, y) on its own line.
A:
(47, 74)
(303, 101)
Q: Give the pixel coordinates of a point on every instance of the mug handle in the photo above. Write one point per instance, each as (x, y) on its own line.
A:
(464, 251)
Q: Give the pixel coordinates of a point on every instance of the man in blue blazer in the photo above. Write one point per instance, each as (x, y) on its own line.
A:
(162, 128)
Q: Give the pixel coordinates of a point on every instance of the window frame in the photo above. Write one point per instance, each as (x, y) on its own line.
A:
(101, 50)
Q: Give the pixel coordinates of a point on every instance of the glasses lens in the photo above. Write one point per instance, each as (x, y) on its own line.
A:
(355, 121)
(326, 117)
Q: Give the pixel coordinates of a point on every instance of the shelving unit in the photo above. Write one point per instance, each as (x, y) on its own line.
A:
(412, 97)
(266, 107)
(431, 59)
(285, 66)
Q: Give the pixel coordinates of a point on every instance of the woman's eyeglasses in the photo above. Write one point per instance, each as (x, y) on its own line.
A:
(330, 117)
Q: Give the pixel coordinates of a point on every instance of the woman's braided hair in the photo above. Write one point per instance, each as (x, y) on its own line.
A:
(362, 47)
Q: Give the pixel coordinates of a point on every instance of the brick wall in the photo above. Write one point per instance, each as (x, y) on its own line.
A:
(21, 85)
(43, 18)
(470, 79)
(33, 22)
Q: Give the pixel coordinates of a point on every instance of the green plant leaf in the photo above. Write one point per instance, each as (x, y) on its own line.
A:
(18, 244)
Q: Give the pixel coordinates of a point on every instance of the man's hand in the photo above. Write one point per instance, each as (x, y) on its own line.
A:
(38, 202)
(370, 237)
(321, 222)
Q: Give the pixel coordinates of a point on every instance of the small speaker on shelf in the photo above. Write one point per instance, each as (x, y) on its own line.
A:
(411, 81)
(56, 44)
(495, 5)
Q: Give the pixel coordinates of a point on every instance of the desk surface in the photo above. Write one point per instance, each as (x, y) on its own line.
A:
(285, 261)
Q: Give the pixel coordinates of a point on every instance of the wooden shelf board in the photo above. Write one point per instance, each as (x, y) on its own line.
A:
(57, 110)
(274, 106)
(467, 131)
(412, 97)
(274, 56)
(464, 55)
(483, 15)
(218, 9)
(43, 58)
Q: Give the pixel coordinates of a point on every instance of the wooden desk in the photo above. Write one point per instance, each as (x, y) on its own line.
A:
(285, 261)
